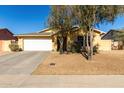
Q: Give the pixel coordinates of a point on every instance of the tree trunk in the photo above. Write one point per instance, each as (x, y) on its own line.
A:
(87, 46)
(61, 45)
(91, 36)
(84, 41)
(91, 44)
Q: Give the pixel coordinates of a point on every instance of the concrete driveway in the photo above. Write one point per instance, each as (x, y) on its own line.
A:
(21, 62)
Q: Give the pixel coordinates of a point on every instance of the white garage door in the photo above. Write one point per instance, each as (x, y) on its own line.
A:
(37, 44)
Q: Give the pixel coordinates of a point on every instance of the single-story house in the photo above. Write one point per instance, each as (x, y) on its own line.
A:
(6, 37)
(47, 40)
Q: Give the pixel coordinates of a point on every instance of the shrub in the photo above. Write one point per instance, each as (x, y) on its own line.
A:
(95, 49)
(68, 48)
(76, 47)
(83, 49)
(73, 48)
(20, 49)
(14, 47)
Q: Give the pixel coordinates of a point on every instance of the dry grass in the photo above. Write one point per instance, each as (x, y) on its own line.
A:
(75, 64)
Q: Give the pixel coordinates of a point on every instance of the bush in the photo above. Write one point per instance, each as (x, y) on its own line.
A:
(76, 47)
(20, 49)
(14, 47)
(83, 49)
(95, 49)
(73, 48)
(68, 48)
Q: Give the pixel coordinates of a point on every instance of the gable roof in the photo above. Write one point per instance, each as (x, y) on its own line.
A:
(110, 31)
(5, 34)
(39, 33)
(99, 31)
(77, 27)
(6, 30)
(47, 32)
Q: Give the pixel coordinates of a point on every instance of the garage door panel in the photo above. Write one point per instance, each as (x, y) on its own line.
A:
(37, 44)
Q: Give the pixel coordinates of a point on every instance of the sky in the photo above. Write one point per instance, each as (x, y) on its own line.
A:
(117, 24)
(24, 19)
(27, 19)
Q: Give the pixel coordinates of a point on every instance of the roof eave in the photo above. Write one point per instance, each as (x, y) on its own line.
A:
(30, 35)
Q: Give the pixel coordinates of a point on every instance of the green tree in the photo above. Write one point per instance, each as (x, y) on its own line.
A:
(63, 18)
(88, 16)
(119, 36)
(60, 21)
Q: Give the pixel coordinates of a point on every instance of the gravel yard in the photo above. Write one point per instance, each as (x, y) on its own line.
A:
(104, 63)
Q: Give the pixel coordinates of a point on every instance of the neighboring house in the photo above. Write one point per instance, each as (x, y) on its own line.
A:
(110, 35)
(113, 36)
(46, 40)
(6, 37)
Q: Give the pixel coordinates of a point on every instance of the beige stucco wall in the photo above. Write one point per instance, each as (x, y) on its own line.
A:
(0, 45)
(21, 43)
(96, 39)
(54, 43)
(105, 45)
(5, 45)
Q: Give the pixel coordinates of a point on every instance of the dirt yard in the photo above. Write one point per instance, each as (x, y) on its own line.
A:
(105, 63)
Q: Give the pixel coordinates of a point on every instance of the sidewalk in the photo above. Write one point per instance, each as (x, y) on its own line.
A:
(66, 81)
